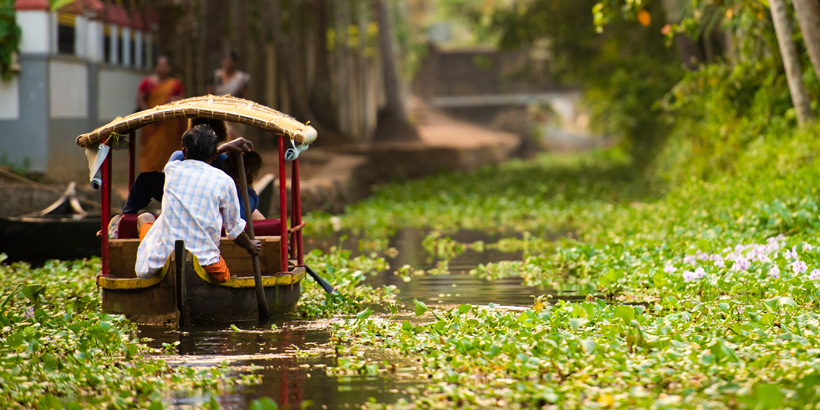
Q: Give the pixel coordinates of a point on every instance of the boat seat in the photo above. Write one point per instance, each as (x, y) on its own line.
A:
(128, 227)
(265, 227)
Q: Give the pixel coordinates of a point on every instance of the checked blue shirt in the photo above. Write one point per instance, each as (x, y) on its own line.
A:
(198, 200)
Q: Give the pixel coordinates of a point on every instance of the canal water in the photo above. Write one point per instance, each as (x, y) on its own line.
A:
(293, 360)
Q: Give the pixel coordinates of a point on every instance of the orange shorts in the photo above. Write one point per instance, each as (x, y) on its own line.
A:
(144, 229)
(219, 271)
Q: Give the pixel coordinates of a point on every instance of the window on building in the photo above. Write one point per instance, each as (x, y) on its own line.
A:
(144, 52)
(66, 33)
(107, 43)
(120, 47)
(133, 50)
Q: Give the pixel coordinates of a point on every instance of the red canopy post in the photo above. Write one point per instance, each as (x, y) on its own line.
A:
(283, 203)
(105, 201)
(293, 221)
(132, 148)
(295, 191)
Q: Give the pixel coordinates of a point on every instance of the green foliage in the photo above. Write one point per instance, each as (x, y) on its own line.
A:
(57, 350)
(346, 274)
(687, 325)
(10, 36)
(624, 70)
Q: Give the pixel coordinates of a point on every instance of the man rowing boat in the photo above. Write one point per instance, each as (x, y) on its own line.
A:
(198, 201)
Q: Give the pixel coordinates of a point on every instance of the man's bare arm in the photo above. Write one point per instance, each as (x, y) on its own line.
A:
(254, 247)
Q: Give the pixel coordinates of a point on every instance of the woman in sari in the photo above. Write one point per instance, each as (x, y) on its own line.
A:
(161, 139)
(229, 79)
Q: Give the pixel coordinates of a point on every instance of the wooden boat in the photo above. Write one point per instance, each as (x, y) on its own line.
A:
(63, 230)
(183, 294)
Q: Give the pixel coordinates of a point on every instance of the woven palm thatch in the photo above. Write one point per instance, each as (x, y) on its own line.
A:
(220, 108)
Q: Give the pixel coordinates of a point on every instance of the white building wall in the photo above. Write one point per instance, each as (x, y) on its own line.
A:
(126, 46)
(94, 41)
(117, 92)
(138, 45)
(36, 28)
(68, 89)
(113, 44)
(10, 99)
(81, 37)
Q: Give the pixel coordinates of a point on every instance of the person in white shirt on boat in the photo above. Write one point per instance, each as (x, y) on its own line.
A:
(197, 202)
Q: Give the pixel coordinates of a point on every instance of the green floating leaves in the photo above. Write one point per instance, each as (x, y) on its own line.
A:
(627, 313)
(364, 314)
(265, 403)
(420, 307)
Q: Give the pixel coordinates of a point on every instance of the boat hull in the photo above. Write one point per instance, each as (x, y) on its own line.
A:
(36, 239)
(183, 294)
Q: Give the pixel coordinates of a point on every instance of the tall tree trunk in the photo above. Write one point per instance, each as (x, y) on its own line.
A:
(791, 62)
(393, 122)
(343, 71)
(290, 98)
(808, 15)
(320, 93)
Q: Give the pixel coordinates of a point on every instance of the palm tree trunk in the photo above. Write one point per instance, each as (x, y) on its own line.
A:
(791, 62)
(808, 15)
(393, 121)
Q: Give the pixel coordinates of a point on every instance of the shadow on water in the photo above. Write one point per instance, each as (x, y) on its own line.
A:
(293, 360)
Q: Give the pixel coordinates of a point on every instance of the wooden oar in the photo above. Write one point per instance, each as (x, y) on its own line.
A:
(261, 301)
(323, 283)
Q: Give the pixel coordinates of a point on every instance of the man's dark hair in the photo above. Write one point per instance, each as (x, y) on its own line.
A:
(232, 54)
(200, 143)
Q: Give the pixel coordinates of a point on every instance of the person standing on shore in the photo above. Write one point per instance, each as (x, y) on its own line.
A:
(161, 139)
(229, 79)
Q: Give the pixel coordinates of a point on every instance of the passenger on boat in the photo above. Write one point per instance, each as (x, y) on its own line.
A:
(253, 164)
(198, 201)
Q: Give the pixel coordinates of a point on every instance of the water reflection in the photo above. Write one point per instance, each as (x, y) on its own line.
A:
(293, 359)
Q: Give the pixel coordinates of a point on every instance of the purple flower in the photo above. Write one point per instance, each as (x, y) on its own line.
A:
(790, 254)
(799, 267)
(699, 273)
(815, 274)
(741, 264)
(720, 264)
(669, 268)
(689, 259)
(774, 272)
(688, 276)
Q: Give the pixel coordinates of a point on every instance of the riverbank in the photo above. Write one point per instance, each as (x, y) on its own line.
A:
(341, 175)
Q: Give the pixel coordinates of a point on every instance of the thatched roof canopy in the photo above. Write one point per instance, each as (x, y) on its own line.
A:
(221, 108)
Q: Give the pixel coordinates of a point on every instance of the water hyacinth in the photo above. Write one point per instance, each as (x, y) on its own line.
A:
(729, 342)
(774, 272)
(741, 264)
(799, 267)
(689, 276)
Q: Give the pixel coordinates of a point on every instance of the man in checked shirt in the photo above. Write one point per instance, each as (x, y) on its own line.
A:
(198, 201)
